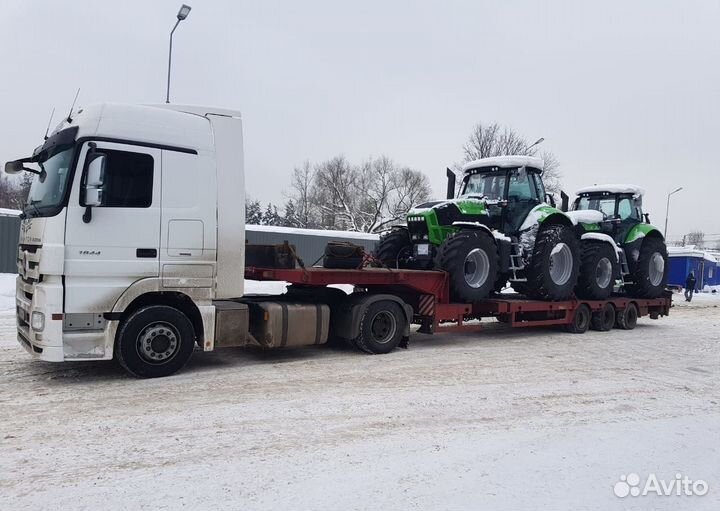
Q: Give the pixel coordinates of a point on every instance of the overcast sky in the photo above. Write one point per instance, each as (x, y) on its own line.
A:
(622, 91)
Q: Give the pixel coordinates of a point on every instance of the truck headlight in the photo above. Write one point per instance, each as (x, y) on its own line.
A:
(37, 321)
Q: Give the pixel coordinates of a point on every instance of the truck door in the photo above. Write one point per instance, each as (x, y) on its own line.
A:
(118, 242)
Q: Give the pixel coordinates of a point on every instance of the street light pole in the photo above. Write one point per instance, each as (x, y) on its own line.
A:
(667, 209)
(181, 15)
(537, 142)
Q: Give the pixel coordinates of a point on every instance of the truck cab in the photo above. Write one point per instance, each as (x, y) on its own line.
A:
(131, 207)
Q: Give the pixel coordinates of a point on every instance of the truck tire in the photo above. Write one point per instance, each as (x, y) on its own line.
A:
(627, 318)
(650, 276)
(553, 270)
(471, 260)
(381, 328)
(154, 341)
(604, 319)
(581, 320)
(598, 269)
(395, 248)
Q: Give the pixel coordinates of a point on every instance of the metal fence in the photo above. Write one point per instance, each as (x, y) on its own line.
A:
(9, 235)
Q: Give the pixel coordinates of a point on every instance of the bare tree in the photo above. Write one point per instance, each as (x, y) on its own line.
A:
(14, 191)
(301, 186)
(695, 237)
(366, 197)
(487, 140)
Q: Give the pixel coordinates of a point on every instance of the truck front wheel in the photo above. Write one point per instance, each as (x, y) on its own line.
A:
(154, 341)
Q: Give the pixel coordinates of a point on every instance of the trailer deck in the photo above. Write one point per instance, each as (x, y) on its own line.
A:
(429, 294)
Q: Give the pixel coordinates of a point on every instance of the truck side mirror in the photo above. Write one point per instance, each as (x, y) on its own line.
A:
(450, 183)
(93, 187)
(13, 167)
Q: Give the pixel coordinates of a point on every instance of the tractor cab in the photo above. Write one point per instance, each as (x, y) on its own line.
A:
(621, 206)
(510, 187)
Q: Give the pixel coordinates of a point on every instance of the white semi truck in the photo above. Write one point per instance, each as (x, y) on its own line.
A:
(132, 247)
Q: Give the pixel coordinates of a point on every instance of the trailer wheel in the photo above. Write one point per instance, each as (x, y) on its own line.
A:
(154, 341)
(604, 319)
(381, 328)
(581, 320)
(627, 318)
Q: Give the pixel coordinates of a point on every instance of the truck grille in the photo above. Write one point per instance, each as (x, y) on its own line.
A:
(28, 265)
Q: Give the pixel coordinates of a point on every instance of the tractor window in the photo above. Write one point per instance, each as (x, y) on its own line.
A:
(521, 187)
(625, 209)
(604, 205)
(540, 186)
(489, 184)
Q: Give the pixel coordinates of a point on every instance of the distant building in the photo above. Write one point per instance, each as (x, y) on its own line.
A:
(683, 260)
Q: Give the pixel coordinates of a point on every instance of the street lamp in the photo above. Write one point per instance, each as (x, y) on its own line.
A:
(181, 15)
(667, 209)
(537, 142)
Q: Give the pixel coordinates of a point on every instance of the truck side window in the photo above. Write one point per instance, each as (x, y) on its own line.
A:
(128, 179)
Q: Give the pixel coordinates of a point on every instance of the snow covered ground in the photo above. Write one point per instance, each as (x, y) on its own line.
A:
(503, 419)
(7, 292)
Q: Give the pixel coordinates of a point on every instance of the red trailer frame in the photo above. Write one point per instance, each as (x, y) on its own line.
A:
(428, 292)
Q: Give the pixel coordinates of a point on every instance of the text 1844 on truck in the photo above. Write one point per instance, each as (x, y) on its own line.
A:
(132, 247)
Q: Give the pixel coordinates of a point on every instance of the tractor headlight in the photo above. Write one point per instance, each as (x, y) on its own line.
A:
(37, 321)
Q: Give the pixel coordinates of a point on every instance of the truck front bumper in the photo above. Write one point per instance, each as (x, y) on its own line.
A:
(48, 341)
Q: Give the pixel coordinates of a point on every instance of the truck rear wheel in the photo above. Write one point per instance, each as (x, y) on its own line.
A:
(471, 260)
(598, 268)
(381, 328)
(650, 275)
(395, 249)
(154, 341)
(555, 264)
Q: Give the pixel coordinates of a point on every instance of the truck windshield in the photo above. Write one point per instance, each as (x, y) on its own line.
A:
(47, 194)
(490, 185)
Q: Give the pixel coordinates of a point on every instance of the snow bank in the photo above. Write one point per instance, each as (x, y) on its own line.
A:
(9, 212)
(7, 292)
(613, 188)
(313, 232)
(505, 162)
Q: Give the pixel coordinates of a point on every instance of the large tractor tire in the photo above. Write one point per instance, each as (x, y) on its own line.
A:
(471, 259)
(553, 270)
(598, 270)
(651, 270)
(395, 249)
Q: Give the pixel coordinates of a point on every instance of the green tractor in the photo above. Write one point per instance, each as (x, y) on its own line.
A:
(502, 227)
(619, 247)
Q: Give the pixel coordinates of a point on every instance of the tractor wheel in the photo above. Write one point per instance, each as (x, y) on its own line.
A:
(555, 264)
(395, 249)
(598, 268)
(471, 259)
(650, 275)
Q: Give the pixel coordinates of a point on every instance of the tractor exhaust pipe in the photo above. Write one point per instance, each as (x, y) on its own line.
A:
(450, 184)
(565, 201)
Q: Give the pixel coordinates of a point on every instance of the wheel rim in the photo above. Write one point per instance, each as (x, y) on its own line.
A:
(656, 269)
(561, 264)
(477, 268)
(383, 327)
(603, 273)
(158, 342)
